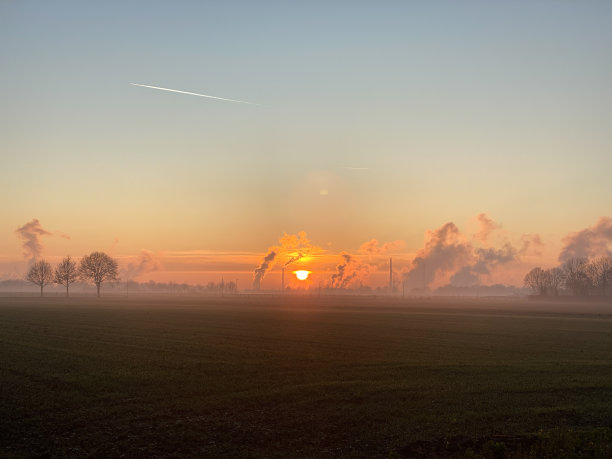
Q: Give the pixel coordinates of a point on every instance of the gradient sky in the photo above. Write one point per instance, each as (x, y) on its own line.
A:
(455, 108)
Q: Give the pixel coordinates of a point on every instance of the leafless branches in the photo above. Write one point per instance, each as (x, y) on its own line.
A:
(98, 267)
(41, 274)
(578, 275)
(66, 273)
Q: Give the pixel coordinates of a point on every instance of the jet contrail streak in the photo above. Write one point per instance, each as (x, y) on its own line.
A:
(194, 94)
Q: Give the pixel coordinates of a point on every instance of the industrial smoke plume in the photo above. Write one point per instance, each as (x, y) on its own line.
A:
(487, 226)
(31, 233)
(593, 241)
(486, 260)
(373, 247)
(288, 244)
(531, 243)
(445, 251)
(349, 272)
(448, 252)
(339, 277)
(260, 272)
(147, 262)
(298, 257)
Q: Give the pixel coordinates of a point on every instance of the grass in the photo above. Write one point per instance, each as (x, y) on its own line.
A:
(291, 376)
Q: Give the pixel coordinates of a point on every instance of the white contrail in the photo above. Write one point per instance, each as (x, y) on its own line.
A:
(194, 94)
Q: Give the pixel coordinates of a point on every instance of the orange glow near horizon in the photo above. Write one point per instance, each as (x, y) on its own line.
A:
(302, 274)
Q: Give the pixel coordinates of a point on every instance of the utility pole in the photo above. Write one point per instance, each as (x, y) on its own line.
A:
(390, 276)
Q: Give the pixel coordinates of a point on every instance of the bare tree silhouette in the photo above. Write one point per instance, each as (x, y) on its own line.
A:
(576, 276)
(40, 274)
(66, 273)
(98, 267)
(581, 276)
(555, 280)
(600, 272)
(536, 280)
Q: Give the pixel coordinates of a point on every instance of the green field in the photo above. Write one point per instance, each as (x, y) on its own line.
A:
(304, 377)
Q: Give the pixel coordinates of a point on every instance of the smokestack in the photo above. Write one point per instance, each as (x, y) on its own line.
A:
(390, 275)
(283, 280)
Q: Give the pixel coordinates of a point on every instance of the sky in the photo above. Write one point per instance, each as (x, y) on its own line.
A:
(376, 120)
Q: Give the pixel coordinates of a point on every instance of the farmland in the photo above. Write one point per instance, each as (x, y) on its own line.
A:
(278, 376)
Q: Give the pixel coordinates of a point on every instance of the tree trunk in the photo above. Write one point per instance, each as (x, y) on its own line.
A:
(66, 289)
(41, 288)
(98, 288)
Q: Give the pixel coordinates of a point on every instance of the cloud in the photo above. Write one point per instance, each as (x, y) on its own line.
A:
(531, 244)
(593, 241)
(147, 262)
(373, 248)
(30, 233)
(486, 227)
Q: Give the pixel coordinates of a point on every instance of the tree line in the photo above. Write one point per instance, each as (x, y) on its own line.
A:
(580, 276)
(217, 288)
(97, 268)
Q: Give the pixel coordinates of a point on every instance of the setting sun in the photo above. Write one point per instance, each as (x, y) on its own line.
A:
(301, 274)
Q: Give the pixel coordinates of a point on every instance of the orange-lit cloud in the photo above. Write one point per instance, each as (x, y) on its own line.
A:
(531, 244)
(593, 241)
(145, 263)
(486, 227)
(373, 247)
(292, 246)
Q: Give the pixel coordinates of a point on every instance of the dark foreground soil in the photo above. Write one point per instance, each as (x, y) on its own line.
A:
(304, 377)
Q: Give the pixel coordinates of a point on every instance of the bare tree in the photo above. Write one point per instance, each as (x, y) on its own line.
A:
(40, 274)
(555, 280)
(98, 267)
(66, 273)
(600, 273)
(536, 280)
(576, 277)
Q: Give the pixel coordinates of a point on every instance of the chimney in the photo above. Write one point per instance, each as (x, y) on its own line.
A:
(390, 275)
(283, 280)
